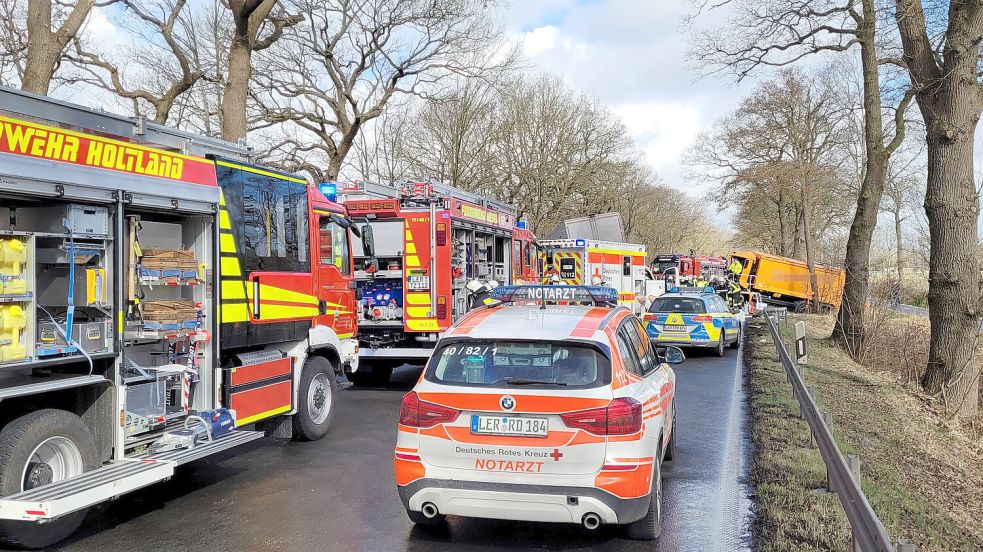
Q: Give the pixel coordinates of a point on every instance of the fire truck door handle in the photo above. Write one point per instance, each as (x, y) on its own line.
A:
(322, 307)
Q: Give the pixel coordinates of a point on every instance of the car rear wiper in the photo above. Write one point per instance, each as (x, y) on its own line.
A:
(523, 381)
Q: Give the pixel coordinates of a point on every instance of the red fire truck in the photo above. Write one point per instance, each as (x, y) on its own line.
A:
(431, 240)
(680, 267)
(159, 295)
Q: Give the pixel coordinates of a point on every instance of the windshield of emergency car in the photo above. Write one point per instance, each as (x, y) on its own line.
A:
(683, 305)
(507, 364)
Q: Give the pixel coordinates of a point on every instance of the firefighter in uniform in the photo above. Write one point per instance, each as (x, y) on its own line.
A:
(734, 296)
(735, 267)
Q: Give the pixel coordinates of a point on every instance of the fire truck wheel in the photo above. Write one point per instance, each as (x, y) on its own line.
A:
(318, 392)
(38, 448)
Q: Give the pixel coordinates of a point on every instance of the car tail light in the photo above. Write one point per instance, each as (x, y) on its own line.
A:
(702, 318)
(416, 413)
(622, 416)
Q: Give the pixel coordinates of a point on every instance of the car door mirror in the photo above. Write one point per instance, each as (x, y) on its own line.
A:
(671, 355)
(368, 241)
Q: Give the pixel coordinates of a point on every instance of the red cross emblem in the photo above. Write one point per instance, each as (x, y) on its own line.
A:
(556, 455)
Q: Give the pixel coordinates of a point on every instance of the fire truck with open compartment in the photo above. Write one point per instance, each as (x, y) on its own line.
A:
(431, 240)
(155, 287)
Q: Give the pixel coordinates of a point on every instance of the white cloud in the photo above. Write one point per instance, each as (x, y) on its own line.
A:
(539, 40)
(662, 130)
(631, 55)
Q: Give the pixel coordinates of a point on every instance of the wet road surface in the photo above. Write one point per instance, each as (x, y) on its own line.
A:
(337, 494)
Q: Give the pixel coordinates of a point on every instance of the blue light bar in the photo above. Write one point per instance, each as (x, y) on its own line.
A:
(575, 294)
(520, 224)
(329, 189)
(580, 243)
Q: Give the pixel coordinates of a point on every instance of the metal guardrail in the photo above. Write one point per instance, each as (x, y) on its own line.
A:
(868, 532)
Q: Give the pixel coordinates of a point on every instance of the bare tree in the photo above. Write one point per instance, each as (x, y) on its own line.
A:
(256, 27)
(46, 45)
(557, 152)
(950, 97)
(13, 42)
(781, 32)
(161, 90)
(350, 58)
(778, 160)
(453, 138)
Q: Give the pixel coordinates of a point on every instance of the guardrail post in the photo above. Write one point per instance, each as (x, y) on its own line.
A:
(853, 461)
(811, 389)
(828, 420)
(905, 545)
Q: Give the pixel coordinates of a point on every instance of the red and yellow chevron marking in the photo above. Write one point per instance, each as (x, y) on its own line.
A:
(579, 264)
(418, 311)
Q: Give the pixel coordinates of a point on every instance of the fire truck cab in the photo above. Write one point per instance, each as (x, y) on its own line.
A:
(159, 295)
(431, 240)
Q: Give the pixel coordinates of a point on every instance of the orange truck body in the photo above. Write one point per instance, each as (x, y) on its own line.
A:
(786, 281)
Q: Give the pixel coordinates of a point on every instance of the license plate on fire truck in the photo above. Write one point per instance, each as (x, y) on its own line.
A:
(513, 426)
(417, 283)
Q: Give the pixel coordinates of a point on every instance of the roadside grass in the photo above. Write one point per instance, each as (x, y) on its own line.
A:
(922, 477)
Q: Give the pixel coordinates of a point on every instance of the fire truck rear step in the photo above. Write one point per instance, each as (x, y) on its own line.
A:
(64, 497)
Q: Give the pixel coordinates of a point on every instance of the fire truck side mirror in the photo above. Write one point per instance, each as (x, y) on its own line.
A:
(368, 241)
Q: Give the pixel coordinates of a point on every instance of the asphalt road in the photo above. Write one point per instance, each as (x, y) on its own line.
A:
(338, 494)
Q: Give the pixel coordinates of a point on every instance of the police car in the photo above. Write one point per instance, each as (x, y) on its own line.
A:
(552, 405)
(694, 317)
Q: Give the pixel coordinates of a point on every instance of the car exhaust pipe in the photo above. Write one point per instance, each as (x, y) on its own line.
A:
(591, 521)
(430, 510)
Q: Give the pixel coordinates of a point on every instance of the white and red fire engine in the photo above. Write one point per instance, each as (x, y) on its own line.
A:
(435, 245)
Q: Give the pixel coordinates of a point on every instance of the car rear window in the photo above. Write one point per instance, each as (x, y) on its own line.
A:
(511, 364)
(684, 305)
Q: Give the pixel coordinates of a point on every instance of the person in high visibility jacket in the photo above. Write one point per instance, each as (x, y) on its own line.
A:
(735, 267)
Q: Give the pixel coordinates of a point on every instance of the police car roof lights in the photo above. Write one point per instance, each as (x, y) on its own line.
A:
(598, 295)
(689, 289)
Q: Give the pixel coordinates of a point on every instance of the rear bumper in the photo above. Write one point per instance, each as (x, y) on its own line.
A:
(545, 503)
(686, 342)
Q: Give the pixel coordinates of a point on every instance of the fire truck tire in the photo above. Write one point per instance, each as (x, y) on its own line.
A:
(43, 446)
(317, 396)
(650, 526)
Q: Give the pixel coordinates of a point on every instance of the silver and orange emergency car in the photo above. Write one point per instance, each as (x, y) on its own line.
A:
(551, 406)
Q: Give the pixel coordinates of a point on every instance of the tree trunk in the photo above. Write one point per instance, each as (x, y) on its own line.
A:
(849, 328)
(799, 238)
(952, 207)
(42, 52)
(236, 90)
(341, 152)
(807, 243)
(899, 249)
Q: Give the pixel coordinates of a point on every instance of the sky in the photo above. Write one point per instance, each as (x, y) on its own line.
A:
(631, 55)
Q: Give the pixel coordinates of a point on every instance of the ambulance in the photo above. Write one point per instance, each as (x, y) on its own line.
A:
(586, 262)
(551, 406)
